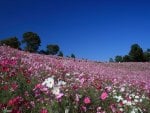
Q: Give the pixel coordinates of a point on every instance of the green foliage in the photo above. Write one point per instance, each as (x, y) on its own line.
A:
(118, 59)
(18, 86)
(43, 52)
(136, 53)
(32, 41)
(12, 42)
(52, 49)
(73, 56)
(146, 56)
(126, 58)
(60, 54)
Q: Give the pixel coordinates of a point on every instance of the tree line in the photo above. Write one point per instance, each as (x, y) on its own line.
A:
(136, 54)
(32, 42)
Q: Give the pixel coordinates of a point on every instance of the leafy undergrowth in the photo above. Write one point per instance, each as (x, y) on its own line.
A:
(33, 83)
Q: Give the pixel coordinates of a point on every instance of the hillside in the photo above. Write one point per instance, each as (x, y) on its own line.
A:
(134, 73)
(77, 74)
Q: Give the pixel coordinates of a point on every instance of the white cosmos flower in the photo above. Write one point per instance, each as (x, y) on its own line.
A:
(66, 110)
(136, 97)
(134, 110)
(140, 100)
(143, 97)
(124, 101)
(67, 74)
(121, 109)
(122, 89)
(119, 98)
(61, 83)
(129, 103)
(133, 103)
(135, 100)
(132, 95)
(114, 91)
(56, 90)
(49, 82)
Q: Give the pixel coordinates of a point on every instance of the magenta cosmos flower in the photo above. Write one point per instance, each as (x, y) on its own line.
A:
(87, 100)
(104, 95)
(44, 111)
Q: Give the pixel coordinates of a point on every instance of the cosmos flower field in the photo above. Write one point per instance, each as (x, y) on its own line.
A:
(34, 83)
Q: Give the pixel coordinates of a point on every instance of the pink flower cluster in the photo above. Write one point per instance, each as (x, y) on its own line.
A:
(65, 78)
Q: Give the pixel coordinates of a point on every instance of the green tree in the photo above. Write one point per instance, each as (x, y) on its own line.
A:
(32, 41)
(52, 49)
(118, 59)
(43, 52)
(136, 53)
(73, 56)
(147, 56)
(126, 58)
(60, 54)
(12, 42)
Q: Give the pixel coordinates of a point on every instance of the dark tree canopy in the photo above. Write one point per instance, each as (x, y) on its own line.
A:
(52, 49)
(118, 59)
(136, 53)
(73, 56)
(147, 56)
(60, 54)
(12, 42)
(32, 41)
(126, 58)
(43, 52)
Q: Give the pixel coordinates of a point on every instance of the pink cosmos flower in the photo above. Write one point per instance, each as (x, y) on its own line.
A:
(77, 98)
(44, 111)
(99, 109)
(108, 88)
(38, 86)
(59, 96)
(84, 108)
(82, 81)
(14, 101)
(113, 108)
(104, 95)
(87, 100)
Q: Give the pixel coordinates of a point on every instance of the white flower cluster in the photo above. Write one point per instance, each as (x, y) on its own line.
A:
(136, 110)
(61, 83)
(56, 90)
(133, 99)
(119, 98)
(50, 83)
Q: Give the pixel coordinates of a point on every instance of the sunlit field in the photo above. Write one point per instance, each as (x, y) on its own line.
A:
(34, 83)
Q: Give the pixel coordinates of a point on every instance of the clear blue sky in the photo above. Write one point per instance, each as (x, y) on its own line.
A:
(93, 29)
